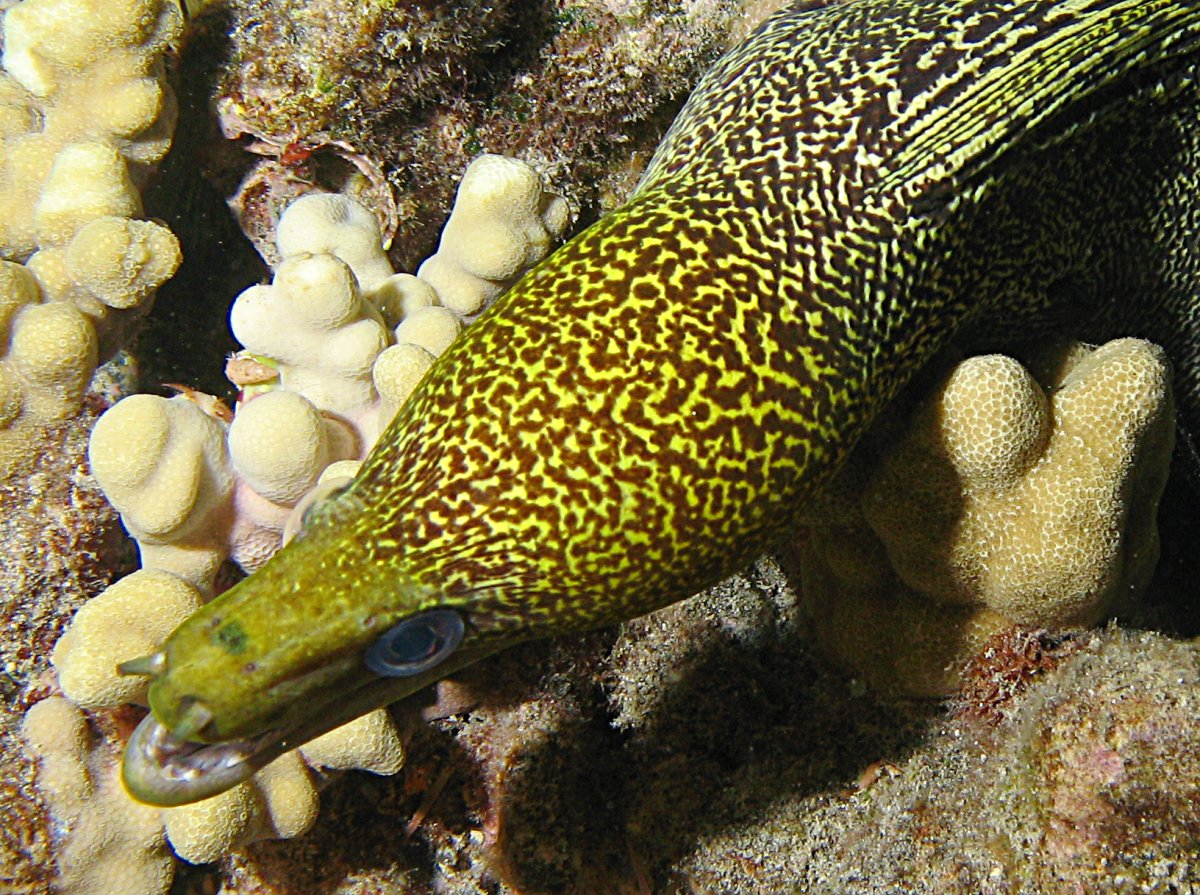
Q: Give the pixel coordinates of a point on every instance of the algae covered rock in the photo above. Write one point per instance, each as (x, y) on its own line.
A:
(385, 100)
(1088, 783)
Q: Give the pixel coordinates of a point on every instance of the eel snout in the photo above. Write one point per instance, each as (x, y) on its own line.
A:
(162, 768)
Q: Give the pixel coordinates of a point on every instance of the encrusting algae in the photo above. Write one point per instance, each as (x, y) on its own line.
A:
(689, 709)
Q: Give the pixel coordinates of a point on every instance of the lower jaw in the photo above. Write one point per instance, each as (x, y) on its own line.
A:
(162, 770)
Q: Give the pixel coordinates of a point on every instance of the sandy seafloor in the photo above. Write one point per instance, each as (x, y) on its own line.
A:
(706, 748)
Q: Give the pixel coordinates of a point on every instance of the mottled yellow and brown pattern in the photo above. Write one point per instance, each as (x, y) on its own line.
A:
(648, 408)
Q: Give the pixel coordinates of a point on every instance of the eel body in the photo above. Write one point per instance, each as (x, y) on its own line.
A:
(648, 409)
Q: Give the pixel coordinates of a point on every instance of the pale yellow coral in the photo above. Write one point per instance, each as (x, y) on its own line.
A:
(340, 471)
(118, 104)
(164, 465)
(111, 264)
(503, 222)
(120, 261)
(279, 443)
(400, 295)
(131, 618)
(313, 321)
(291, 799)
(133, 450)
(457, 288)
(48, 41)
(18, 110)
(114, 844)
(399, 369)
(1052, 526)
(49, 267)
(93, 78)
(83, 99)
(330, 223)
(1007, 501)
(370, 742)
(12, 398)
(433, 329)
(127, 105)
(27, 162)
(88, 180)
(53, 349)
(278, 802)
(204, 831)
(18, 287)
(57, 732)
(898, 640)
(117, 846)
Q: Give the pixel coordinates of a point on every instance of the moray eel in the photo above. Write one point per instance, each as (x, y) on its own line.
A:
(647, 409)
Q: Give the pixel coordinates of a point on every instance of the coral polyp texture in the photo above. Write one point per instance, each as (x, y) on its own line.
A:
(115, 844)
(85, 113)
(1017, 496)
(197, 485)
(501, 224)
(129, 619)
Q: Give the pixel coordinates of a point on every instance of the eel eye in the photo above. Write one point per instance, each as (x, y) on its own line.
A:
(416, 644)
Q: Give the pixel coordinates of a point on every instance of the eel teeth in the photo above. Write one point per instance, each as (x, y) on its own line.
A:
(192, 721)
(150, 666)
(163, 769)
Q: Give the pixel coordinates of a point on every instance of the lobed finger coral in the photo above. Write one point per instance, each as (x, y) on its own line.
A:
(329, 337)
(85, 113)
(279, 802)
(129, 619)
(164, 465)
(116, 844)
(1017, 495)
(324, 369)
(501, 224)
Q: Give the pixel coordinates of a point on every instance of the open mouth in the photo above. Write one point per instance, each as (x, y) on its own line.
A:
(162, 769)
(172, 766)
